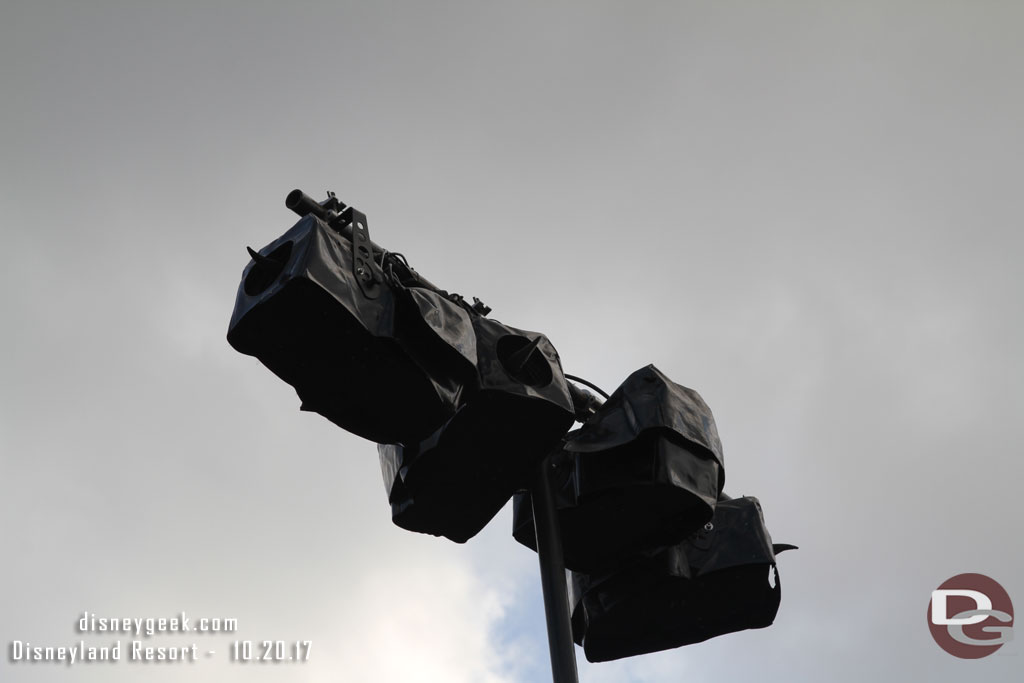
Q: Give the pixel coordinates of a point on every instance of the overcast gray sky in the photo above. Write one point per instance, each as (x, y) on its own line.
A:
(809, 212)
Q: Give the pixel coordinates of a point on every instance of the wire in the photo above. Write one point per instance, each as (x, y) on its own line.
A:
(593, 386)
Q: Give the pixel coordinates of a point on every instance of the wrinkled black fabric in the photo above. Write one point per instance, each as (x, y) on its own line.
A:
(643, 472)
(649, 400)
(720, 580)
(454, 482)
(466, 407)
(450, 324)
(314, 328)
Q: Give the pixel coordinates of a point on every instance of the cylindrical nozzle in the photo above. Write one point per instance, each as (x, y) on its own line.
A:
(302, 204)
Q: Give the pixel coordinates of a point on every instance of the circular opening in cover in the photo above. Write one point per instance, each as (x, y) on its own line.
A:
(266, 268)
(523, 361)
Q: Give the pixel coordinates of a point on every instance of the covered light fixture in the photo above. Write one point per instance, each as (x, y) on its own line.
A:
(452, 483)
(643, 472)
(720, 580)
(314, 307)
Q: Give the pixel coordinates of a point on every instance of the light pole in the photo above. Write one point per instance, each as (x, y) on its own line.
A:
(468, 411)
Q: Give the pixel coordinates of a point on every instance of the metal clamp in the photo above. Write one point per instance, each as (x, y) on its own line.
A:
(366, 270)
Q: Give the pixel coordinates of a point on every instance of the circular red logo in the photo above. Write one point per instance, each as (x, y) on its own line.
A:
(970, 616)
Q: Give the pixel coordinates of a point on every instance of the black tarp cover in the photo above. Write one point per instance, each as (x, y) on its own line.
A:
(643, 472)
(300, 311)
(647, 399)
(720, 580)
(465, 405)
(452, 483)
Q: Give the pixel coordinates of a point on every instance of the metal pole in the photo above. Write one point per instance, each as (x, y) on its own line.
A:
(552, 577)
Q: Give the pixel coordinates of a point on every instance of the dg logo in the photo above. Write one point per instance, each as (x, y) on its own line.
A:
(970, 616)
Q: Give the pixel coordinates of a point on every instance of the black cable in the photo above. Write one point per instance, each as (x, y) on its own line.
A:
(593, 386)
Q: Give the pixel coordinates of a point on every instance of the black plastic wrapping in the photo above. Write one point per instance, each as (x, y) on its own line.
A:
(466, 407)
(720, 580)
(643, 472)
(452, 483)
(300, 311)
